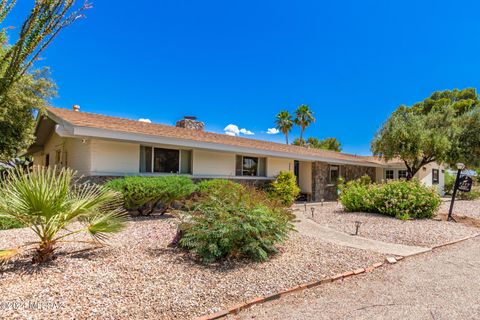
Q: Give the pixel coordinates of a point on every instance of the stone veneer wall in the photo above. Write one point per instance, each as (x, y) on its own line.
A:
(321, 186)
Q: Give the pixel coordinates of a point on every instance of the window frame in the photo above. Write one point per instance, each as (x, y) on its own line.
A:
(331, 169)
(152, 161)
(386, 174)
(435, 180)
(261, 162)
(405, 176)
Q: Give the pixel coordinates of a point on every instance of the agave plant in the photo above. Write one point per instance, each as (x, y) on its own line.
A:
(48, 201)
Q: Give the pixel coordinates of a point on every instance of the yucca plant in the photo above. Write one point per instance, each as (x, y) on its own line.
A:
(48, 200)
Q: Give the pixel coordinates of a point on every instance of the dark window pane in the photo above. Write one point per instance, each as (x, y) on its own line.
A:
(435, 176)
(165, 160)
(262, 167)
(145, 159)
(389, 174)
(402, 174)
(334, 174)
(250, 166)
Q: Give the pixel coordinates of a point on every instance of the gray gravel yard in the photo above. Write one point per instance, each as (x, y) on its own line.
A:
(139, 277)
(424, 232)
(442, 284)
(462, 208)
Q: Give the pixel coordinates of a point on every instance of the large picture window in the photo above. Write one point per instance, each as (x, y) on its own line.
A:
(250, 166)
(161, 160)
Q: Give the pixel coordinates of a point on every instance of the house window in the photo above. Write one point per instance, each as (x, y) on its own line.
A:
(402, 174)
(47, 160)
(250, 166)
(334, 174)
(435, 176)
(58, 157)
(161, 160)
(389, 175)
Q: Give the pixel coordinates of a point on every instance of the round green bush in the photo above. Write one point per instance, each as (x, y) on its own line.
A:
(216, 185)
(398, 198)
(139, 192)
(285, 188)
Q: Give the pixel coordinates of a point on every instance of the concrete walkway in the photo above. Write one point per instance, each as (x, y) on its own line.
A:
(311, 228)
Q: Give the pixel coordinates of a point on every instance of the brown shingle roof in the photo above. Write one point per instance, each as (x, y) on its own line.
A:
(91, 120)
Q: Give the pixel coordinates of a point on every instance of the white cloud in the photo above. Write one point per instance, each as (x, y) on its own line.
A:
(233, 130)
(246, 132)
(145, 120)
(273, 131)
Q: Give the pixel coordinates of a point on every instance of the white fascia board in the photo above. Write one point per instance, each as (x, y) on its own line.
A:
(86, 132)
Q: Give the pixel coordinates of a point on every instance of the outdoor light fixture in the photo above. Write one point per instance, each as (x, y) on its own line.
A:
(460, 166)
(305, 204)
(357, 226)
(322, 202)
(313, 211)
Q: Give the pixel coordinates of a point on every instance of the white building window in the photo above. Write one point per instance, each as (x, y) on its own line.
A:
(402, 174)
(389, 174)
(161, 160)
(250, 166)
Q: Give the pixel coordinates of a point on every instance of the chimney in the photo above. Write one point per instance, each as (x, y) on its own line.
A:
(76, 107)
(191, 123)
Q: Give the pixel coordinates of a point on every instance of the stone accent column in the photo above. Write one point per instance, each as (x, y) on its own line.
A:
(321, 189)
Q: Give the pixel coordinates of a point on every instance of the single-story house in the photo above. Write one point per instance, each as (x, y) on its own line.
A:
(99, 146)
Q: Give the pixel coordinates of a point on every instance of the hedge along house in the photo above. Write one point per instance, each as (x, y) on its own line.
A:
(99, 147)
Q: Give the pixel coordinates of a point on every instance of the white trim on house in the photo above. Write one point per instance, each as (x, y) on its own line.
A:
(71, 131)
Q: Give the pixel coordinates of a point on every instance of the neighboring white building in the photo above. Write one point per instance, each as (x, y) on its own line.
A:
(99, 146)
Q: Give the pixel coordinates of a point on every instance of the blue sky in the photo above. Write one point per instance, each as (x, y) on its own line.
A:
(240, 62)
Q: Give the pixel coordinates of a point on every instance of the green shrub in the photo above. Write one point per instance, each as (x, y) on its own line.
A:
(472, 195)
(145, 193)
(216, 185)
(8, 223)
(234, 223)
(449, 183)
(398, 198)
(285, 188)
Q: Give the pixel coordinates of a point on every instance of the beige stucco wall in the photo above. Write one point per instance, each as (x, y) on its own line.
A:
(305, 176)
(211, 163)
(379, 175)
(114, 157)
(54, 143)
(275, 165)
(425, 175)
(78, 155)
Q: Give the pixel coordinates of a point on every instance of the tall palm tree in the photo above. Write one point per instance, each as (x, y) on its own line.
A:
(303, 118)
(284, 123)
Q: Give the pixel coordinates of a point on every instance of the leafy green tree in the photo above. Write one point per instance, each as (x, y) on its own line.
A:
(284, 123)
(325, 144)
(48, 202)
(303, 118)
(443, 128)
(31, 92)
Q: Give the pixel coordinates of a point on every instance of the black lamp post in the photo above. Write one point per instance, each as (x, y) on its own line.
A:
(460, 167)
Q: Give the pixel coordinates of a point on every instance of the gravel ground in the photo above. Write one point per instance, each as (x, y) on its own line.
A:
(139, 277)
(426, 232)
(437, 285)
(462, 208)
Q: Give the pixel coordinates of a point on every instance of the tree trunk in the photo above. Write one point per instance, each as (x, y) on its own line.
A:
(286, 138)
(301, 136)
(44, 253)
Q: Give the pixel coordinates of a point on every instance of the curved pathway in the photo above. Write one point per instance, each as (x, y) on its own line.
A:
(311, 228)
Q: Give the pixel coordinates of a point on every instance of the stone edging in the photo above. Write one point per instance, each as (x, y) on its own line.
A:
(258, 300)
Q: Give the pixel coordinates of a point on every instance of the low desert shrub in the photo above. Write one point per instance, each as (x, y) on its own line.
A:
(143, 194)
(472, 195)
(285, 188)
(401, 199)
(449, 183)
(217, 185)
(8, 223)
(234, 223)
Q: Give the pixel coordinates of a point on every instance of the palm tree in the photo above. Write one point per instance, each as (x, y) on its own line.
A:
(47, 201)
(284, 123)
(303, 118)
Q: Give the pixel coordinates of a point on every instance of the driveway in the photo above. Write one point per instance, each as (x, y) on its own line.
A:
(443, 284)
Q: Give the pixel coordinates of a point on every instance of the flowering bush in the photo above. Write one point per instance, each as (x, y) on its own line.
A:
(401, 199)
(285, 188)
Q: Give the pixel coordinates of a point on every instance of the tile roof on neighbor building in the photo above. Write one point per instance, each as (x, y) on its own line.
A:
(98, 121)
